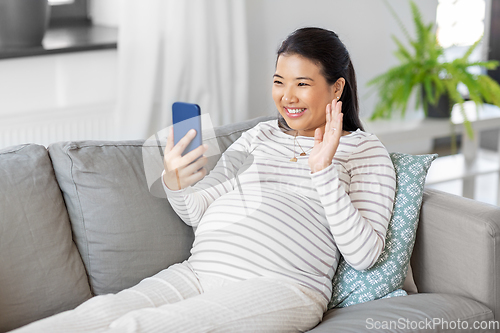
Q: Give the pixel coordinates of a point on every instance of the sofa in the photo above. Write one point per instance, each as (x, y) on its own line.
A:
(79, 219)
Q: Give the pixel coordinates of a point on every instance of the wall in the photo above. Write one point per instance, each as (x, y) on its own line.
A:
(70, 96)
(105, 12)
(365, 26)
(73, 96)
(51, 98)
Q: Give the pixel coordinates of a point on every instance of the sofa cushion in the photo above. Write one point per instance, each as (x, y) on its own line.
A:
(388, 274)
(228, 134)
(414, 313)
(35, 241)
(457, 250)
(124, 233)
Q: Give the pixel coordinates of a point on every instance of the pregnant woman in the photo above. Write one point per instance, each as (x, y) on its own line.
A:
(282, 205)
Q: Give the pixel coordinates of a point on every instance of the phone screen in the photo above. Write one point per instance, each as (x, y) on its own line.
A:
(186, 116)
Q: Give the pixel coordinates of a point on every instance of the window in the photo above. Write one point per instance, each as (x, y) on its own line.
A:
(69, 12)
(60, 2)
(460, 23)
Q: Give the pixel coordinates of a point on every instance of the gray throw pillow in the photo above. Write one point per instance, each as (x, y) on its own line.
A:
(123, 233)
(41, 272)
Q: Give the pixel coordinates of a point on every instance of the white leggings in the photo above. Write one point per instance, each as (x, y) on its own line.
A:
(179, 300)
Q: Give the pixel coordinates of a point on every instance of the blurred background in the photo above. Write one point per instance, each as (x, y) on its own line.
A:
(111, 69)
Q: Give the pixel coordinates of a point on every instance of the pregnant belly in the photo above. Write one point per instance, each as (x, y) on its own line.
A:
(263, 234)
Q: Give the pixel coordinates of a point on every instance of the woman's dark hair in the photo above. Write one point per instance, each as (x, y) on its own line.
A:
(324, 48)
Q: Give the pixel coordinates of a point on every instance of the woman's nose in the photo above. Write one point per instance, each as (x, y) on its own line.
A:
(289, 96)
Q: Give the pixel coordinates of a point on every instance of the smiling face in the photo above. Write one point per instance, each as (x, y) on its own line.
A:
(301, 93)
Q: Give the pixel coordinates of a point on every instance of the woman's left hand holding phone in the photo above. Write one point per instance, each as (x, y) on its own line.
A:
(183, 171)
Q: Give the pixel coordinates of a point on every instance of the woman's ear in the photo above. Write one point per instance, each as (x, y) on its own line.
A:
(338, 87)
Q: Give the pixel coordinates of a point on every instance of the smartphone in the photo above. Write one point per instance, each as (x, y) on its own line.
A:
(186, 116)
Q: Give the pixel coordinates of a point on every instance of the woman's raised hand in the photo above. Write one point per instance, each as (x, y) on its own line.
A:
(325, 144)
(183, 171)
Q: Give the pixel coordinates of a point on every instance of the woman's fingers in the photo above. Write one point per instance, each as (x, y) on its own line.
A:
(339, 106)
(318, 136)
(193, 172)
(193, 178)
(338, 127)
(335, 116)
(328, 117)
(193, 168)
(325, 144)
(183, 143)
(182, 173)
(193, 154)
(332, 119)
(167, 155)
(170, 140)
(173, 154)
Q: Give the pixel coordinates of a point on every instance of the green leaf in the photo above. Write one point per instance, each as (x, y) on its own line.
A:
(402, 51)
(471, 49)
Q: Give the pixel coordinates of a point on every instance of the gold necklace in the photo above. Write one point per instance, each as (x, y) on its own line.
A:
(294, 159)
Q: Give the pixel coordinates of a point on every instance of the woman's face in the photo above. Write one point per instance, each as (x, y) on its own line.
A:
(301, 93)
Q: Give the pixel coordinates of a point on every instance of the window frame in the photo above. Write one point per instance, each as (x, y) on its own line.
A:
(493, 42)
(76, 13)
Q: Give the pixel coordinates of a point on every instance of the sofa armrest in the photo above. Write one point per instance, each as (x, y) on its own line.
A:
(457, 249)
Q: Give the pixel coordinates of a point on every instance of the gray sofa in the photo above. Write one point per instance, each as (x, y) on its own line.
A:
(78, 219)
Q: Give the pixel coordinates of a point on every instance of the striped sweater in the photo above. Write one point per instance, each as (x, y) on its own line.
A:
(259, 214)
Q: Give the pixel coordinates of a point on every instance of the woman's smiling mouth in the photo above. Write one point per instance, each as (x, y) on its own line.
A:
(294, 112)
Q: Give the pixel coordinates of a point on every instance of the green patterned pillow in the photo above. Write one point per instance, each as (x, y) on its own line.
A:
(385, 279)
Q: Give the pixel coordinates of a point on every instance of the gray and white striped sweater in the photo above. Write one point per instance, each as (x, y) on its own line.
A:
(258, 214)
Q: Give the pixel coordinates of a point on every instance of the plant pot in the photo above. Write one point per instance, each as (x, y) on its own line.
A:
(442, 109)
(23, 22)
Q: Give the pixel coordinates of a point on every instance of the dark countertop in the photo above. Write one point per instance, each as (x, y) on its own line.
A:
(65, 39)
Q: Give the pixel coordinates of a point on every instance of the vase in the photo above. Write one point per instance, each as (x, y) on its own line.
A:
(23, 22)
(442, 109)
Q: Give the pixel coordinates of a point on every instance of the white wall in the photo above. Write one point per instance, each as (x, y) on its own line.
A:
(365, 26)
(60, 97)
(105, 12)
(79, 89)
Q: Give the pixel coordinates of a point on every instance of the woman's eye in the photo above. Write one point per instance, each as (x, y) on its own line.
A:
(302, 84)
(277, 82)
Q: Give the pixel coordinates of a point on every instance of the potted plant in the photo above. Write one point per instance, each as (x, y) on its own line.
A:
(423, 70)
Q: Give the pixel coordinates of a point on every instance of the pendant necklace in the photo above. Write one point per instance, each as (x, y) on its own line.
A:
(294, 159)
